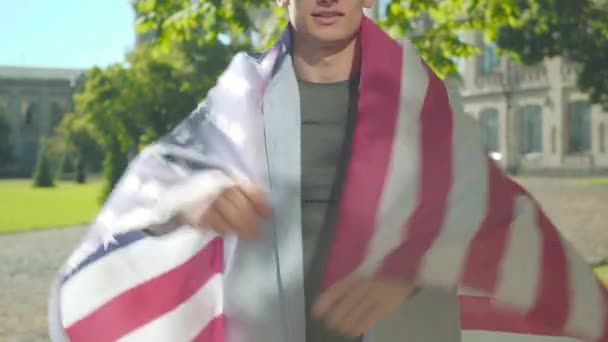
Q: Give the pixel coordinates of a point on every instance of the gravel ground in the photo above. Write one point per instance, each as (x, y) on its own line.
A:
(28, 261)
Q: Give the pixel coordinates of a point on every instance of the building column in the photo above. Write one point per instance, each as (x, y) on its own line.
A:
(513, 155)
(555, 116)
(599, 136)
(512, 162)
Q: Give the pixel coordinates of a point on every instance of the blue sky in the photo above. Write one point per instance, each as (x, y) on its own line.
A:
(65, 33)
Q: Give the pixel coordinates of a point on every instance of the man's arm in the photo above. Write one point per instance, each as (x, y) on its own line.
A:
(189, 177)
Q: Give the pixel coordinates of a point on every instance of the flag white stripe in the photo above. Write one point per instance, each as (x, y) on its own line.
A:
(520, 268)
(444, 262)
(400, 191)
(126, 268)
(495, 336)
(586, 298)
(187, 320)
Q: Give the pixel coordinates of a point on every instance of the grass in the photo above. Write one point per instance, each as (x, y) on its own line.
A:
(602, 272)
(599, 181)
(23, 207)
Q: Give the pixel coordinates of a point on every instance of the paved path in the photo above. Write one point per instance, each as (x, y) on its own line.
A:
(579, 209)
(28, 261)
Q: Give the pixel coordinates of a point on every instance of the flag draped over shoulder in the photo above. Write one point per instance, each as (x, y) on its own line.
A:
(421, 201)
(123, 284)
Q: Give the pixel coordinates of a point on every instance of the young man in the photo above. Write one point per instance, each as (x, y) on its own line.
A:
(367, 203)
(326, 64)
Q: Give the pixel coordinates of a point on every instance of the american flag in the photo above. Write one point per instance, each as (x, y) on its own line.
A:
(421, 201)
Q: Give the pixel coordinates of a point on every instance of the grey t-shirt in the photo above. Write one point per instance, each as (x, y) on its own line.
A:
(327, 111)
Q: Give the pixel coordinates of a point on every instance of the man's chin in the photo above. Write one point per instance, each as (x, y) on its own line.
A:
(331, 39)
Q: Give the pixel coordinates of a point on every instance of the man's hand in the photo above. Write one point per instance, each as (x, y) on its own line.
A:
(353, 306)
(236, 210)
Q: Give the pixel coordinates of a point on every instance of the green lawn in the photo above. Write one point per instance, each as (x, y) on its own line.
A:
(599, 181)
(23, 207)
(602, 272)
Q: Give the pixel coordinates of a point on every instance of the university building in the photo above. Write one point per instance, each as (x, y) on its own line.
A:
(533, 119)
(37, 99)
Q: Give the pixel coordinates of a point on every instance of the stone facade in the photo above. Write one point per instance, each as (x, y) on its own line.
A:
(37, 99)
(533, 118)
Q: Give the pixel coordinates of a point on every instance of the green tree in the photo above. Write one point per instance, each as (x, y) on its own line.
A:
(126, 107)
(81, 171)
(77, 136)
(201, 22)
(114, 163)
(43, 174)
(6, 149)
(574, 29)
(101, 105)
(68, 165)
(170, 71)
(55, 151)
(433, 25)
(528, 30)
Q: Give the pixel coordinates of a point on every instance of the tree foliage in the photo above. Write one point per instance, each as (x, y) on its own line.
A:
(54, 151)
(436, 26)
(574, 29)
(43, 173)
(78, 136)
(204, 22)
(125, 107)
(528, 30)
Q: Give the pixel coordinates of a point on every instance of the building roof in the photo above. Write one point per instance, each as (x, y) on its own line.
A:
(13, 72)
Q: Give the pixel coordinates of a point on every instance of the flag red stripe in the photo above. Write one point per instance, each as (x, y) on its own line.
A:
(604, 290)
(478, 313)
(553, 298)
(487, 250)
(425, 224)
(214, 331)
(381, 63)
(487, 247)
(150, 300)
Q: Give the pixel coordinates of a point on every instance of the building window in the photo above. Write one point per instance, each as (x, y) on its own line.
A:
(488, 120)
(491, 61)
(532, 130)
(29, 111)
(579, 127)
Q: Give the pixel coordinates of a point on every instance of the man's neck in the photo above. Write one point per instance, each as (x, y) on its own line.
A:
(322, 64)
